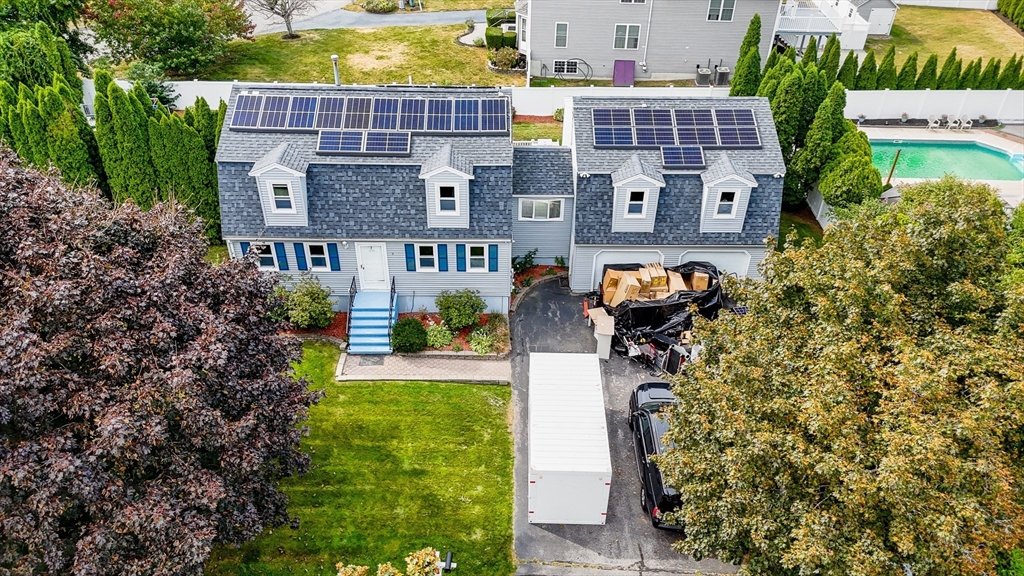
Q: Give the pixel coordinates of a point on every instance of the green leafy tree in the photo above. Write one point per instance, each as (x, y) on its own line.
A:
(222, 112)
(989, 79)
(949, 77)
(908, 73)
(773, 77)
(34, 146)
(830, 59)
(852, 182)
(1012, 71)
(810, 52)
(751, 40)
(813, 94)
(892, 406)
(867, 76)
(847, 75)
(773, 59)
(748, 75)
(106, 136)
(206, 124)
(851, 142)
(887, 70)
(61, 16)
(837, 97)
(787, 109)
(137, 179)
(971, 76)
(807, 163)
(789, 54)
(30, 55)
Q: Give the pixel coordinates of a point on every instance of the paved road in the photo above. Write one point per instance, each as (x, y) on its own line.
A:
(550, 320)
(338, 18)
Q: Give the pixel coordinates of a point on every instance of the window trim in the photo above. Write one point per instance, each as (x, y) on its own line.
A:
(721, 8)
(632, 1)
(469, 259)
(718, 202)
(259, 257)
(625, 46)
(420, 268)
(327, 257)
(273, 202)
(565, 64)
(566, 46)
(437, 199)
(643, 211)
(561, 209)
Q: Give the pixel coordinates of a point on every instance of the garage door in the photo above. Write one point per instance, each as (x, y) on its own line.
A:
(605, 257)
(732, 261)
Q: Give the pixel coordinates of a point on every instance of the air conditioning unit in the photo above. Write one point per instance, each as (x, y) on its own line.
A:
(508, 27)
(703, 76)
(722, 76)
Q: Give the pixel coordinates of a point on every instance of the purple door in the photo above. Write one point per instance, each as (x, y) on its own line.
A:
(623, 73)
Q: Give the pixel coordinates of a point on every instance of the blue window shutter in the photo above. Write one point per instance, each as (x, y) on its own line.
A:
(300, 256)
(332, 255)
(460, 257)
(245, 248)
(492, 257)
(410, 258)
(442, 257)
(282, 256)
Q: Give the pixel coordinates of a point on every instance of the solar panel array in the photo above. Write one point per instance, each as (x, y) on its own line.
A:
(681, 133)
(374, 142)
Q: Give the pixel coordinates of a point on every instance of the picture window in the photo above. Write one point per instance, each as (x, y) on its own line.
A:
(540, 209)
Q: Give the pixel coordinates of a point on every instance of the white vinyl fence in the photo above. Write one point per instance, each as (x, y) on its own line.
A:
(967, 4)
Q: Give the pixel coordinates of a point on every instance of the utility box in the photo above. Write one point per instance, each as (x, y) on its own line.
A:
(570, 472)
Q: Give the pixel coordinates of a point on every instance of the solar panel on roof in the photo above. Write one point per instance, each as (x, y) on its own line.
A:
(694, 117)
(399, 142)
(351, 141)
(739, 136)
(734, 117)
(745, 117)
(652, 117)
(387, 143)
(697, 136)
(348, 141)
(613, 136)
(247, 110)
(303, 112)
(682, 156)
(412, 114)
(655, 136)
(275, 111)
(493, 115)
(329, 141)
(357, 113)
(329, 112)
(439, 115)
(467, 115)
(613, 117)
(385, 114)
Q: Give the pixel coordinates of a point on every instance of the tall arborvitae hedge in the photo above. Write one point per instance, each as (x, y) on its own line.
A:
(829, 64)
(929, 76)
(907, 78)
(30, 55)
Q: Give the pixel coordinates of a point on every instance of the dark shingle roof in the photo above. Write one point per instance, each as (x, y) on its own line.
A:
(283, 155)
(636, 167)
(541, 170)
(724, 167)
(447, 157)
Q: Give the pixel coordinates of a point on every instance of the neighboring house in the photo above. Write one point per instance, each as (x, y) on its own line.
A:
(650, 39)
(880, 14)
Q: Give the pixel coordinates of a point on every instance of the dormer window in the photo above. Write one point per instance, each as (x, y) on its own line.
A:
(726, 207)
(284, 201)
(446, 202)
(636, 206)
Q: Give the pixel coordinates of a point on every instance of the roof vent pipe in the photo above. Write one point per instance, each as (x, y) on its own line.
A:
(337, 75)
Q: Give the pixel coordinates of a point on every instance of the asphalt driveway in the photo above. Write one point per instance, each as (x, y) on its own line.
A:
(551, 320)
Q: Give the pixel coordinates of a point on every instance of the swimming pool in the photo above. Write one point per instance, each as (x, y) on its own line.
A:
(935, 158)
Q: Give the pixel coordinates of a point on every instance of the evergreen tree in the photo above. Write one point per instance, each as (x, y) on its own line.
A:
(752, 39)
(837, 107)
(830, 60)
(813, 93)
(928, 79)
(19, 140)
(206, 124)
(161, 155)
(106, 138)
(67, 150)
(773, 59)
(847, 75)
(35, 149)
(810, 52)
(867, 76)
(768, 88)
(887, 70)
(809, 160)
(1008, 75)
(908, 74)
(990, 77)
(222, 112)
(131, 128)
(139, 91)
(949, 77)
(787, 109)
(971, 75)
(744, 83)
(790, 54)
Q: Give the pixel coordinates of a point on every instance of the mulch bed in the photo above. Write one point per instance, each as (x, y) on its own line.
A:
(534, 273)
(461, 340)
(336, 329)
(536, 119)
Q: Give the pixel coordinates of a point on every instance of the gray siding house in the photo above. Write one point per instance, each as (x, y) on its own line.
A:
(657, 39)
(672, 180)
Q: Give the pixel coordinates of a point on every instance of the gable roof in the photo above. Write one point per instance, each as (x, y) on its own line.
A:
(447, 157)
(283, 155)
(723, 169)
(542, 170)
(859, 3)
(636, 167)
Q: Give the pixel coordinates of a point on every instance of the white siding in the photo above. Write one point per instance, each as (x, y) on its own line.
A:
(435, 220)
(298, 186)
(551, 238)
(708, 222)
(583, 274)
(646, 224)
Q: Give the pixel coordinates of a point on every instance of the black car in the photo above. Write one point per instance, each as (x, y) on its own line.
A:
(649, 425)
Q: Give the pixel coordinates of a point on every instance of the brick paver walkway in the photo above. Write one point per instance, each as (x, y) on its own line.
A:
(432, 368)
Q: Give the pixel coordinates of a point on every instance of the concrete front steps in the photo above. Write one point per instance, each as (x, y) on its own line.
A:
(371, 318)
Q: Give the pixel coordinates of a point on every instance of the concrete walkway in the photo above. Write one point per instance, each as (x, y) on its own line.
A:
(334, 17)
(428, 368)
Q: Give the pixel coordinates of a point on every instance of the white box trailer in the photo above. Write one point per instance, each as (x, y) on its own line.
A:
(570, 462)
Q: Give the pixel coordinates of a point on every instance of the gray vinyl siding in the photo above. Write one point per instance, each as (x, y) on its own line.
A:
(581, 270)
(551, 238)
(865, 9)
(416, 290)
(646, 224)
(277, 175)
(436, 220)
(711, 224)
(680, 38)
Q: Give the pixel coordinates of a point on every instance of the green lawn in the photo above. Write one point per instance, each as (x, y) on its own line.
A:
(927, 30)
(805, 225)
(537, 130)
(396, 467)
(442, 5)
(541, 82)
(217, 253)
(367, 56)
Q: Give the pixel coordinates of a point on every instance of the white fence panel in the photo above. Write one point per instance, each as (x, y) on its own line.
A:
(534, 101)
(965, 4)
(1004, 105)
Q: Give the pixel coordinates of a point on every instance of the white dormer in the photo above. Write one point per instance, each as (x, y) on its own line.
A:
(446, 177)
(637, 188)
(727, 190)
(280, 178)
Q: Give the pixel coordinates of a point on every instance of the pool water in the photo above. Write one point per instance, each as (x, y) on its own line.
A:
(935, 159)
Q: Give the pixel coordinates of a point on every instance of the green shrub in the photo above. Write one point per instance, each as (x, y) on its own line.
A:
(493, 39)
(438, 335)
(459, 309)
(309, 304)
(380, 6)
(559, 114)
(560, 261)
(504, 58)
(852, 182)
(408, 336)
(481, 340)
(498, 16)
(1011, 564)
(508, 39)
(496, 322)
(521, 263)
(479, 42)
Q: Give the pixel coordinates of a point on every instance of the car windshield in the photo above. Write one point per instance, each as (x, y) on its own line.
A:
(654, 406)
(659, 422)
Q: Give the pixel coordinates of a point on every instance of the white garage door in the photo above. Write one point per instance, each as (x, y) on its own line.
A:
(605, 257)
(731, 261)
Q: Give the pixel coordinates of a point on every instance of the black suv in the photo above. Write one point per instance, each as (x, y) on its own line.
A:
(648, 424)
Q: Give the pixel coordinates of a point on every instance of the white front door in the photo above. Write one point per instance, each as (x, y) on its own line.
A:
(373, 266)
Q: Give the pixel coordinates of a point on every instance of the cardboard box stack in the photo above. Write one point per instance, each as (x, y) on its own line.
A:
(650, 282)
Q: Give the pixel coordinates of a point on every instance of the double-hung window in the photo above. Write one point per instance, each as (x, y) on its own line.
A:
(477, 258)
(721, 10)
(627, 36)
(567, 67)
(726, 207)
(561, 34)
(426, 258)
(636, 204)
(446, 201)
(318, 258)
(540, 209)
(281, 196)
(266, 254)
(632, 1)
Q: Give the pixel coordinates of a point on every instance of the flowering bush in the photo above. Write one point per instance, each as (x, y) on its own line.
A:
(482, 340)
(438, 335)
